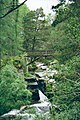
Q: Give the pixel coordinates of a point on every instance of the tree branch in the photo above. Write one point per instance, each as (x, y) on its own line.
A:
(10, 11)
(33, 61)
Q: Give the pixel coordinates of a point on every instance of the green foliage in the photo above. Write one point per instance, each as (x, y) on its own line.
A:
(13, 92)
(31, 31)
(65, 37)
(18, 61)
(67, 91)
(65, 41)
(40, 117)
(68, 114)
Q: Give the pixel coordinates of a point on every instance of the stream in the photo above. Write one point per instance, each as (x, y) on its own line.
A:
(41, 107)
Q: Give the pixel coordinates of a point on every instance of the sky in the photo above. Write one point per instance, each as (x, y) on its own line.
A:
(45, 4)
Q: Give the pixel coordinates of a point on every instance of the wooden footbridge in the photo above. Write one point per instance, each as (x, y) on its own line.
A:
(43, 53)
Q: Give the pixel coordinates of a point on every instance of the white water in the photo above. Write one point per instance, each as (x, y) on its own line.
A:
(42, 97)
(43, 107)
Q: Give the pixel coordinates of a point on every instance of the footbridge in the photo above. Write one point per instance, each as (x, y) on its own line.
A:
(39, 53)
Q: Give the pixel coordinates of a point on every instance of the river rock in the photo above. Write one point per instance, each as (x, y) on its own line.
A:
(26, 116)
(11, 114)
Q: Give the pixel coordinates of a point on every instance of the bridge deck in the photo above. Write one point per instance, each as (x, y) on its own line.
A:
(40, 53)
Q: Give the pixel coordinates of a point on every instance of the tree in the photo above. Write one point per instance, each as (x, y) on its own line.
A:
(69, 13)
(66, 34)
(13, 5)
(11, 31)
(36, 31)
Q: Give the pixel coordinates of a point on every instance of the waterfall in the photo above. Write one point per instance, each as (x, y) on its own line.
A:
(42, 97)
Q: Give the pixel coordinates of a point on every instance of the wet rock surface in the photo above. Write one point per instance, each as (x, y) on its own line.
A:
(40, 109)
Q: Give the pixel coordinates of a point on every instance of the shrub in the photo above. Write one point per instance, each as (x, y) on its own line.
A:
(67, 91)
(13, 92)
